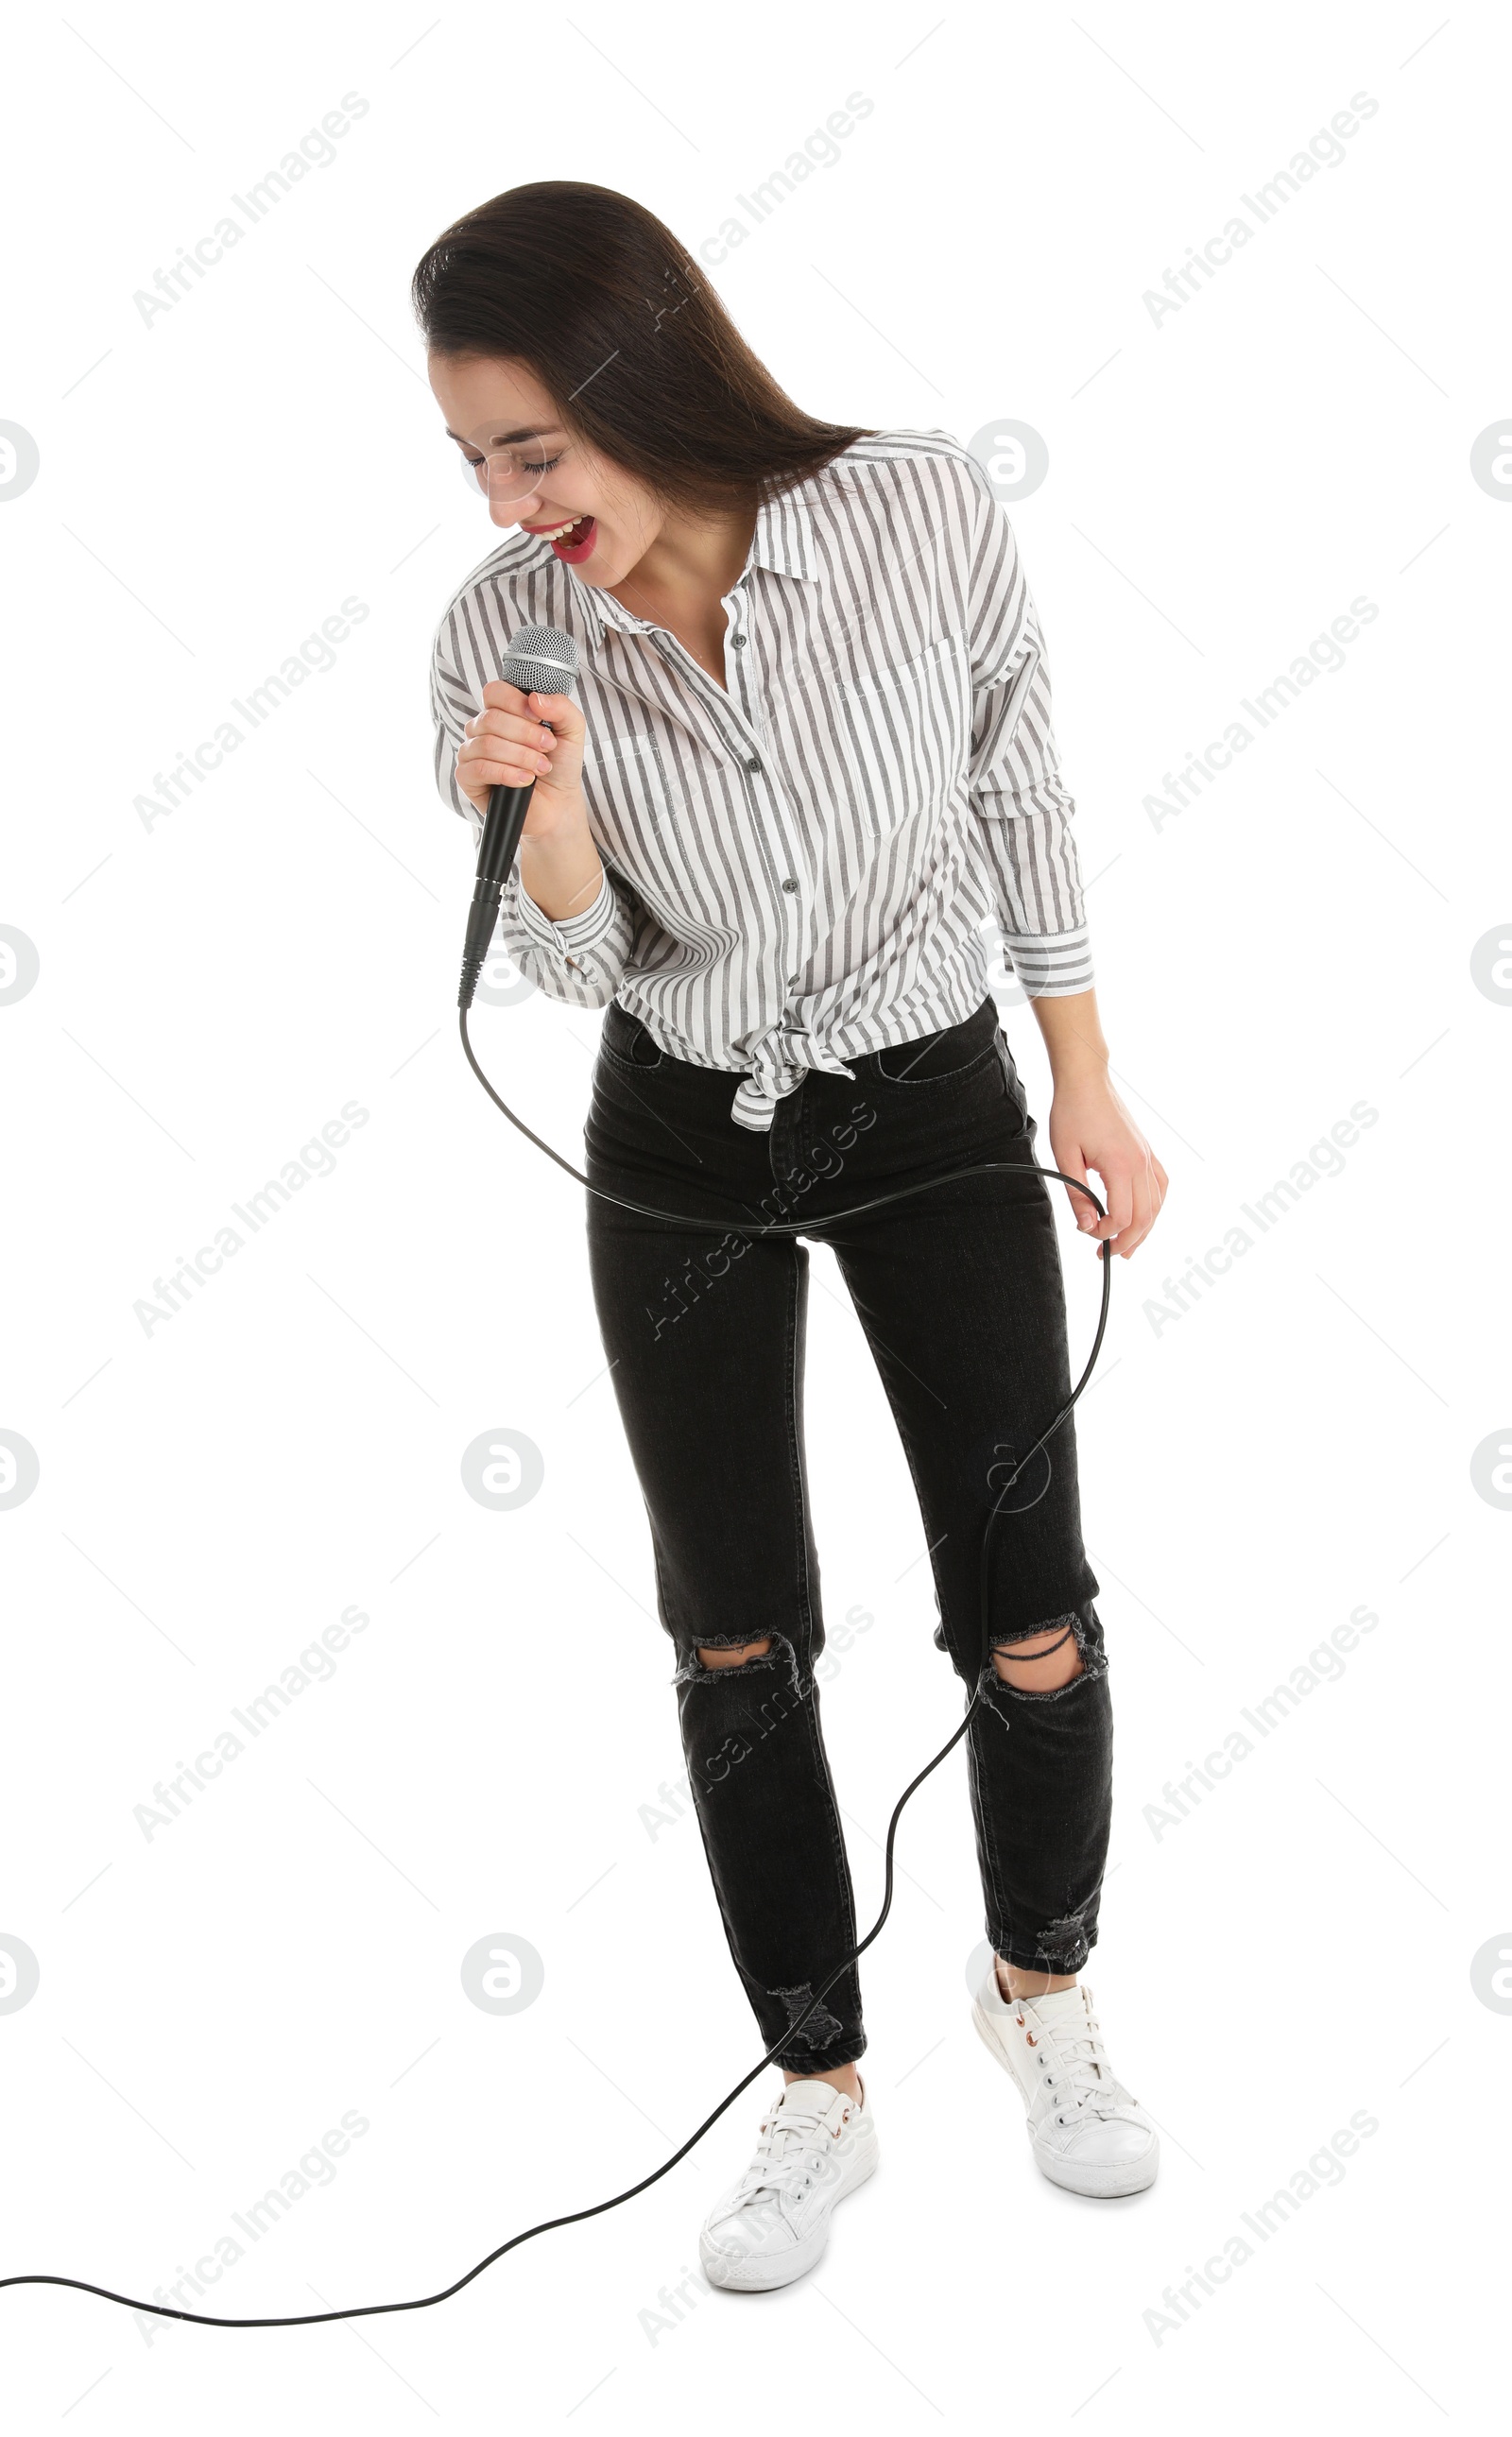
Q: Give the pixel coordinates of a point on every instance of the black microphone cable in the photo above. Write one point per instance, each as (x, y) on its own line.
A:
(539, 656)
(633, 2191)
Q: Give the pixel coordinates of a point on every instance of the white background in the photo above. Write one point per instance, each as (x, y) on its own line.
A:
(213, 988)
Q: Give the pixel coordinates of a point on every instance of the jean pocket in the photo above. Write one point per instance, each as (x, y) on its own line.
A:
(1013, 1085)
(624, 1042)
(947, 1057)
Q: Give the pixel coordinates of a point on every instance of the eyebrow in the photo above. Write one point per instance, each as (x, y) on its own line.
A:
(507, 439)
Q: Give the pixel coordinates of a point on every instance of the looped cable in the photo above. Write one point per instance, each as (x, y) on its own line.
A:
(632, 2191)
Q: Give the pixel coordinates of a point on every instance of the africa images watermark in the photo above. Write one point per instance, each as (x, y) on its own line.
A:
(821, 151)
(1325, 656)
(757, 2219)
(315, 1158)
(315, 655)
(673, 1800)
(316, 1664)
(314, 150)
(1324, 150)
(702, 1272)
(1324, 1664)
(672, 2305)
(1325, 1158)
(314, 2168)
(1180, 2302)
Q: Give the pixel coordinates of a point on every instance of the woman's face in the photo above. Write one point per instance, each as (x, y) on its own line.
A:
(536, 475)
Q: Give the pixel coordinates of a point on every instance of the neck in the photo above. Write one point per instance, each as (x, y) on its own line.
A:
(692, 559)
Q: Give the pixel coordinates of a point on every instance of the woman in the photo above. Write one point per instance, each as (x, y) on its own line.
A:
(810, 756)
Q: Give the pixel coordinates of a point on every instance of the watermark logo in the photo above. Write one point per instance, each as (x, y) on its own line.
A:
(503, 1973)
(20, 1972)
(502, 1469)
(19, 461)
(1490, 1972)
(982, 1959)
(1015, 1484)
(1490, 1469)
(1012, 455)
(501, 983)
(20, 1470)
(1002, 978)
(1490, 964)
(19, 965)
(1490, 458)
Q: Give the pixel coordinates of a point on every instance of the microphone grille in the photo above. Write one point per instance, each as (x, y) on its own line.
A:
(540, 659)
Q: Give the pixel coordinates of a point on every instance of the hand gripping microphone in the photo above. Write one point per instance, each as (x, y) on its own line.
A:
(540, 659)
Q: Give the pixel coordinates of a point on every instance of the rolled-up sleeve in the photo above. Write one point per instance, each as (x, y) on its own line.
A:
(1017, 794)
(579, 961)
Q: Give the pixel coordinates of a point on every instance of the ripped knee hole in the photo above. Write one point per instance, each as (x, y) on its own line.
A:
(736, 1656)
(1019, 1652)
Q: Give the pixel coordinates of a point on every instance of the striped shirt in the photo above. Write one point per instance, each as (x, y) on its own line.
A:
(797, 869)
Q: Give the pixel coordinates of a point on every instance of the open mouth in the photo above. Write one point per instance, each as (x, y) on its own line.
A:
(571, 542)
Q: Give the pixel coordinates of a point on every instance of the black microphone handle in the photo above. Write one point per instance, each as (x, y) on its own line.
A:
(507, 809)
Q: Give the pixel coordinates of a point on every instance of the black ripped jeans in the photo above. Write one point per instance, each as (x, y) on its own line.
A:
(960, 1294)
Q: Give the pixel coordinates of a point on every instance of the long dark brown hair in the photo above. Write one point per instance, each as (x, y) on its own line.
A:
(623, 330)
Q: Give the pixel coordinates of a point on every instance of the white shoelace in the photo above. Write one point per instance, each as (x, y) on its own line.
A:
(1085, 2076)
(789, 2156)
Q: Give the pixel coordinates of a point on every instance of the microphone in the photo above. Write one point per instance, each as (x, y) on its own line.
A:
(540, 659)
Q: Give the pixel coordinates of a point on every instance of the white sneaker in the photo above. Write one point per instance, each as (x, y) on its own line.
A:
(815, 2145)
(1088, 2133)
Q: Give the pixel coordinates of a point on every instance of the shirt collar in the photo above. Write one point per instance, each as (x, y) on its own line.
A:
(782, 542)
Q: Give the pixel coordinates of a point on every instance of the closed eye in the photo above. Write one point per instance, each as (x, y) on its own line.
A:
(544, 468)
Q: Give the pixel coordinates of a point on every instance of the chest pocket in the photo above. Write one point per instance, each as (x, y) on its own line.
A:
(903, 736)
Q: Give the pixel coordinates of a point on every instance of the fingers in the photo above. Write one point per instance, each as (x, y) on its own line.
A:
(520, 740)
(1118, 1192)
(1082, 1211)
(550, 705)
(1065, 1149)
(507, 726)
(491, 761)
(1137, 1206)
(500, 748)
(559, 708)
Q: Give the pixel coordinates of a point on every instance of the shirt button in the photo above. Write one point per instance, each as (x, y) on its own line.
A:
(739, 642)
(790, 885)
(753, 765)
(792, 981)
